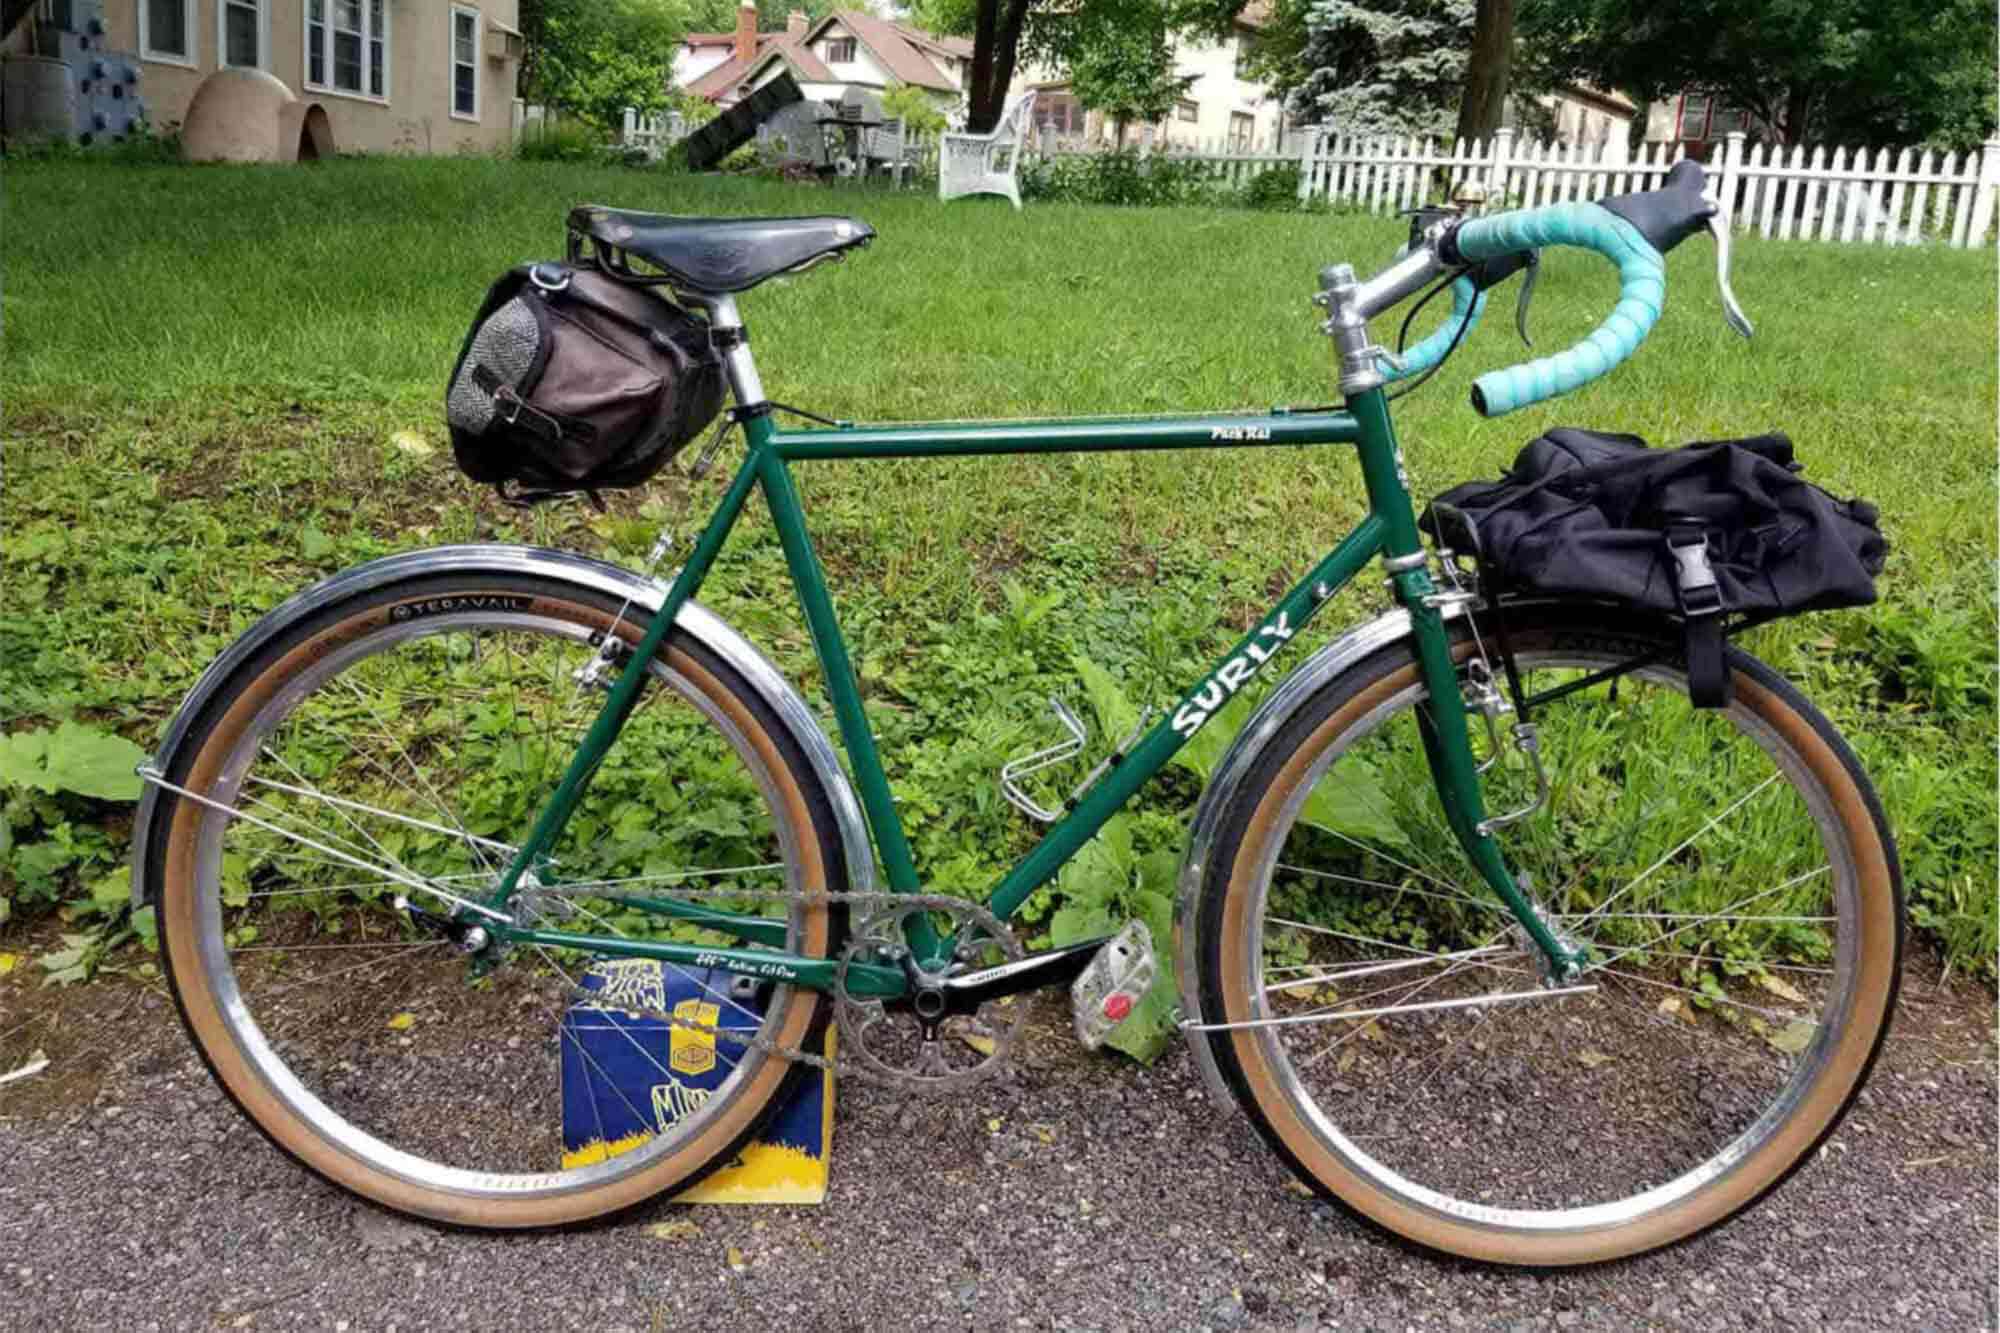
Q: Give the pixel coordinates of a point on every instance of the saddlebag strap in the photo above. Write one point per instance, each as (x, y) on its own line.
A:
(1701, 613)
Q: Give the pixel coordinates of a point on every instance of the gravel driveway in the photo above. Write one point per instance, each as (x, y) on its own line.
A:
(1081, 1192)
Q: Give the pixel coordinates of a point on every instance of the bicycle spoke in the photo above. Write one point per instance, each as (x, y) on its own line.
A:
(1368, 969)
(438, 801)
(1714, 916)
(351, 822)
(1623, 975)
(1461, 897)
(1680, 847)
(380, 813)
(401, 956)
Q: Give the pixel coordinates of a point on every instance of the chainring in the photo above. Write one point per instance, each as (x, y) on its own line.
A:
(892, 1043)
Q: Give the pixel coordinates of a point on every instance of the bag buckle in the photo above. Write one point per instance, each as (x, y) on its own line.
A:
(507, 404)
(1700, 595)
(559, 283)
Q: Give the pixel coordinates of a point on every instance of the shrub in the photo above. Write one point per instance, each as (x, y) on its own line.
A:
(564, 141)
(144, 146)
(1117, 178)
(1124, 177)
(1274, 190)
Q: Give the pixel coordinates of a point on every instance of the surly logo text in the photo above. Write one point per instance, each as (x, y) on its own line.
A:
(1231, 676)
(438, 606)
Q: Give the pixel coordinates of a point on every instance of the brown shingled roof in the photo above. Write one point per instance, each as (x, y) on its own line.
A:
(724, 77)
(892, 46)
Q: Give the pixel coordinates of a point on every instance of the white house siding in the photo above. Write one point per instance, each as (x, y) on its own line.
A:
(861, 70)
(1218, 94)
(691, 62)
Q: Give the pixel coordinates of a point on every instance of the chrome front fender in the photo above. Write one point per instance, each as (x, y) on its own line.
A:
(1316, 671)
(561, 567)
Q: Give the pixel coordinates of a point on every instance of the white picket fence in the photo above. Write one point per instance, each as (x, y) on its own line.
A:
(1888, 197)
(528, 120)
(1900, 197)
(653, 132)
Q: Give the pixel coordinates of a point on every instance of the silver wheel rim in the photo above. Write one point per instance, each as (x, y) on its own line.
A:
(324, 1121)
(1835, 1009)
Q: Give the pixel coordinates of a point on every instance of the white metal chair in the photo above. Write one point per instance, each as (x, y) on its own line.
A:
(883, 147)
(986, 163)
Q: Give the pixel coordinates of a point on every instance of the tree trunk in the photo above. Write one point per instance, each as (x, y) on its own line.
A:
(1798, 112)
(985, 26)
(1484, 101)
(996, 41)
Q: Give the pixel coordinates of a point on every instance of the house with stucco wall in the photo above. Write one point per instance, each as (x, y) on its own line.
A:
(425, 76)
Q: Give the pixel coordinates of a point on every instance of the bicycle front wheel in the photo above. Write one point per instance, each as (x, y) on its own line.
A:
(1728, 873)
(401, 743)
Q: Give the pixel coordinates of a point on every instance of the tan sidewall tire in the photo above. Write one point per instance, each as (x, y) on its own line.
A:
(1875, 985)
(178, 925)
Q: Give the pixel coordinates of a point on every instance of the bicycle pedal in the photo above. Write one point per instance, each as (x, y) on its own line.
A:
(1107, 991)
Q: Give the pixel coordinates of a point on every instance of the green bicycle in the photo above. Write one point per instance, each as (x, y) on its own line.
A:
(1550, 997)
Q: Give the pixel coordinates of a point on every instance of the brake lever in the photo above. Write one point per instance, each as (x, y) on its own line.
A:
(1534, 267)
(1718, 228)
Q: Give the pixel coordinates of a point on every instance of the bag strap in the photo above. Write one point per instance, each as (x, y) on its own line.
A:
(546, 285)
(1700, 598)
(509, 406)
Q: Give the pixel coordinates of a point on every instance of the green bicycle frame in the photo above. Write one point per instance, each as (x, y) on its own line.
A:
(1389, 530)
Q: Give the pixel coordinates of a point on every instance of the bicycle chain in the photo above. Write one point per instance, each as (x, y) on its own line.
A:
(979, 915)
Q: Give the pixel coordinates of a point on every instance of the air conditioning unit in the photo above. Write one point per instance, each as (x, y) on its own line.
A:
(502, 42)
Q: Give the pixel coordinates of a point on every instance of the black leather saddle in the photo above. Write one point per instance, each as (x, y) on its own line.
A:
(712, 255)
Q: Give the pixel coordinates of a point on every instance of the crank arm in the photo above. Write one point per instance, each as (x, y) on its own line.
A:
(1056, 967)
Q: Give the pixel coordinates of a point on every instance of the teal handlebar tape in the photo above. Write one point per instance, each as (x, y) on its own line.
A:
(1467, 304)
(1642, 277)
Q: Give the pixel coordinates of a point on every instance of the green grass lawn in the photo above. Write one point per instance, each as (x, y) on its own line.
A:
(221, 384)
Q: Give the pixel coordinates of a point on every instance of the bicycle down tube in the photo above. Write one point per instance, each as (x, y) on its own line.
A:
(1388, 530)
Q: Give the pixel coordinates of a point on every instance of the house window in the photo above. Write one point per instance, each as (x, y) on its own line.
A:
(1189, 111)
(464, 63)
(347, 47)
(1242, 126)
(239, 34)
(166, 31)
(1058, 113)
(1694, 116)
(1723, 118)
(840, 50)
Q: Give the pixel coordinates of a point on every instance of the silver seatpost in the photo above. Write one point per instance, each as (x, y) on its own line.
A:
(726, 323)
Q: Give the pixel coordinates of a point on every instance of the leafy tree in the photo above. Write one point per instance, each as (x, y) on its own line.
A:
(594, 58)
(1126, 72)
(1383, 66)
(916, 107)
(1058, 33)
(1870, 71)
(1276, 58)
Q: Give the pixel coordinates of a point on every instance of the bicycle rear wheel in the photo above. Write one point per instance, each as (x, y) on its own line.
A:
(1730, 874)
(416, 730)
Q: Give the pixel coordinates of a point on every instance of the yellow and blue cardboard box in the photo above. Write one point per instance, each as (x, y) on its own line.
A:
(627, 1077)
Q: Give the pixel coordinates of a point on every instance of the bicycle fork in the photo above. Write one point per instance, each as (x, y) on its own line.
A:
(1442, 723)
